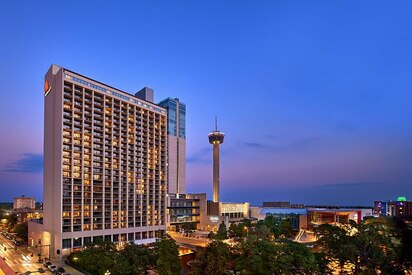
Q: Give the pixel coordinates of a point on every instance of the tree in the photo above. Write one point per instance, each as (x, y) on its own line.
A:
(188, 227)
(11, 221)
(399, 230)
(322, 263)
(267, 257)
(21, 231)
(215, 259)
(294, 258)
(238, 231)
(139, 257)
(98, 259)
(370, 246)
(255, 257)
(221, 233)
(285, 228)
(167, 252)
(270, 223)
(263, 233)
(335, 242)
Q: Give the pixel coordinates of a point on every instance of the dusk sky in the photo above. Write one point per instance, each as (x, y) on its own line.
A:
(315, 97)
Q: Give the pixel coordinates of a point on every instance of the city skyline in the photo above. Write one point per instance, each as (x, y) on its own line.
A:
(315, 98)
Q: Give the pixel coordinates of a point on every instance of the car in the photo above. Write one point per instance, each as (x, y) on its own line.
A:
(52, 268)
(60, 270)
(65, 273)
(47, 264)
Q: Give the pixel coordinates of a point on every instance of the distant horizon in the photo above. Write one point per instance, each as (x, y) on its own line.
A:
(228, 197)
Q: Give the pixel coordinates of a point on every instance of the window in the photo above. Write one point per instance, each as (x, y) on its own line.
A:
(77, 242)
(87, 240)
(97, 239)
(66, 243)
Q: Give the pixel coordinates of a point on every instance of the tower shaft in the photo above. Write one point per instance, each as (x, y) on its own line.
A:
(216, 164)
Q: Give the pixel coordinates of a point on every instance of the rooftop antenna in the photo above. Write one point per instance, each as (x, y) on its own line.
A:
(216, 123)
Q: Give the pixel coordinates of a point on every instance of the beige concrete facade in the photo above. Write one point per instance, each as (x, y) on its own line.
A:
(105, 163)
(176, 165)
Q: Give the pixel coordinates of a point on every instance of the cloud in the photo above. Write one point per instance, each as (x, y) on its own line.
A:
(254, 145)
(305, 141)
(202, 156)
(350, 185)
(197, 160)
(28, 163)
(283, 146)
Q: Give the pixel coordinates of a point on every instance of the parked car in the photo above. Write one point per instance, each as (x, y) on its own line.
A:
(52, 268)
(47, 264)
(60, 270)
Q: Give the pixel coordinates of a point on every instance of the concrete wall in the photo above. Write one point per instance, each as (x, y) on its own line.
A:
(182, 166)
(53, 116)
(211, 223)
(172, 164)
(176, 165)
(255, 212)
(39, 238)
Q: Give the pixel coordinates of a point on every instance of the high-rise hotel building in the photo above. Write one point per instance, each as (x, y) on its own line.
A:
(105, 154)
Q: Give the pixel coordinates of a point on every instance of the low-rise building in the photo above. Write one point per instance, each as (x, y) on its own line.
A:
(308, 218)
(399, 208)
(296, 216)
(24, 203)
(185, 210)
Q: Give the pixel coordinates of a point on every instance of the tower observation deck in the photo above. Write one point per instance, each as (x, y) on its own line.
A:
(216, 138)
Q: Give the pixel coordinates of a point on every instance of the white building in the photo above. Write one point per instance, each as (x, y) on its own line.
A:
(105, 154)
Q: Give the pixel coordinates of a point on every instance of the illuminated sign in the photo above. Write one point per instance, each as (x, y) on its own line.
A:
(401, 198)
(214, 219)
(232, 207)
(47, 87)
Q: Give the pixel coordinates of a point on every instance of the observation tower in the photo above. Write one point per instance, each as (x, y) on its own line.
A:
(216, 138)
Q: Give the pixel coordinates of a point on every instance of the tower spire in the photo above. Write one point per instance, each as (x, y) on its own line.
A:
(216, 138)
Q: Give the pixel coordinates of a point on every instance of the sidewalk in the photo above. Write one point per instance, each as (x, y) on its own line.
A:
(5, 269)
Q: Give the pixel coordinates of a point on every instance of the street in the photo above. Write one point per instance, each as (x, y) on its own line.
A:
(20, 260)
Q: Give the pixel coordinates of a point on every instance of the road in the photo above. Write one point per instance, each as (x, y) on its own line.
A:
(20, 260)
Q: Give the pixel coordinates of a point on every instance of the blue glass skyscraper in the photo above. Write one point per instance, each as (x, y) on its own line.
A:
(176, 142)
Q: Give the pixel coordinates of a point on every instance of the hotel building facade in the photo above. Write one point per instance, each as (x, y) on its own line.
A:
(105, 172)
